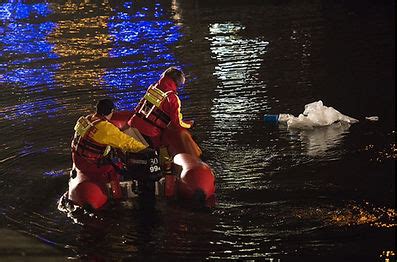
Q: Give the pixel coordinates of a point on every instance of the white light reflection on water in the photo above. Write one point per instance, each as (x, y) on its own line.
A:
(240, 94)
(319, 141)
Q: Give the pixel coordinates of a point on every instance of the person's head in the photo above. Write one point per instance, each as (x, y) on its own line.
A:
(175, 74)
(105, 107)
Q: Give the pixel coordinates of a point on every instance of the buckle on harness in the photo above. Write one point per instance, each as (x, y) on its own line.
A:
(82, 126)
(146, 109)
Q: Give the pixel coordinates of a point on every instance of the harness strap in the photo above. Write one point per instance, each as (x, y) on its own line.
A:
(81, 145)
(82, 148)
(91, 145)
(152, 100)
(162, 116)
(143, 117)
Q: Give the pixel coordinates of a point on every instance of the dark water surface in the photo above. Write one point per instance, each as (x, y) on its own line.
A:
(324, 194)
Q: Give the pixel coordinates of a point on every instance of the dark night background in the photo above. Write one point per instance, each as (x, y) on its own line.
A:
(326, 194)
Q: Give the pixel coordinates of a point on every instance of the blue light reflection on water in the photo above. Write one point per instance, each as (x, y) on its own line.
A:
(14, 10)
(46, 107)
(24, 43)
(142, 39)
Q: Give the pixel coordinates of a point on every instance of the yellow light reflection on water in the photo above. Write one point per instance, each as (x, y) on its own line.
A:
(360, 215)
(79, 41)
(388, 255)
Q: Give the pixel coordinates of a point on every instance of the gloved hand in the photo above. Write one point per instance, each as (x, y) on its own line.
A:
(190, 122)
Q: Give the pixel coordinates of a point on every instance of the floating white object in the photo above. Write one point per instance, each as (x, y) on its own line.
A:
(372, 118)
(314, 115)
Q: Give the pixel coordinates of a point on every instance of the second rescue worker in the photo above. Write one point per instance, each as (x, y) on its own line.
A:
(93, 138)
(160, 107)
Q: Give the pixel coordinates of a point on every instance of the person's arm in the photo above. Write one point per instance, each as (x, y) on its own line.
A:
(173, 108)
(109, 134)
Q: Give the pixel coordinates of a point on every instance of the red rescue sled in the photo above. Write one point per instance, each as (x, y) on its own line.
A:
(186, 178)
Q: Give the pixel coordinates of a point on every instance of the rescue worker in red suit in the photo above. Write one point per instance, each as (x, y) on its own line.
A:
(92, 169)
(159, 112)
